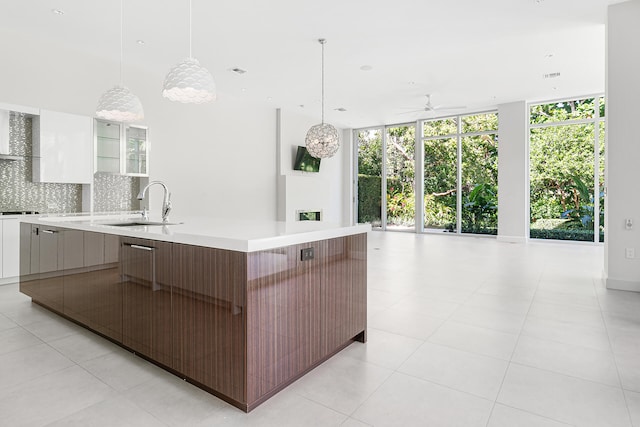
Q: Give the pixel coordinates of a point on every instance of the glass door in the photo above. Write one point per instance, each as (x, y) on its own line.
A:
(479, 150)
(566, 160)
(440, 174)
(386, 177)
(369, 189)
(136, 151)
(107, 146)
(400, 197)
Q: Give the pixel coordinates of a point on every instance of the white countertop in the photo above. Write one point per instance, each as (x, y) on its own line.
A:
(221, 233)
(18, 216)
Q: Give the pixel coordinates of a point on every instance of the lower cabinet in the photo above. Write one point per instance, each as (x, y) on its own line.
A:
(92, 282)
(344, 291)
(76, 284)
(299, 312)
(146, 298)
(209, 318)
(241, 325)
(50, 267)
(44, 279)
(284, 322)
(9, 241)
(106, 297)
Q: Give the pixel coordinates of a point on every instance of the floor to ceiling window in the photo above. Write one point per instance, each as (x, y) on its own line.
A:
(566, 159)
(369, 186)
(461, 174)
(386, 177)
(400, 177)
(458, 162)
(479, 142)
(440, 174)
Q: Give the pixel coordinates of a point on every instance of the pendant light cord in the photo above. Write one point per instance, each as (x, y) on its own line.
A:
(121, 26)
(322, 42)
(190, 36)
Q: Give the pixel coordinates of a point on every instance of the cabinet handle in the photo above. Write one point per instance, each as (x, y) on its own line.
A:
(144, 248)
(49, 231)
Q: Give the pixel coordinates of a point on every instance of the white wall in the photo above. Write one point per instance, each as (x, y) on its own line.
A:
(218, 159)
(513, 190)
(348, 177)
(622, 146)
(298, 190)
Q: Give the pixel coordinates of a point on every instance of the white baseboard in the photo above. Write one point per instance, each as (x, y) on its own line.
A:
(622, 285)
(9, 280)
(512, 239)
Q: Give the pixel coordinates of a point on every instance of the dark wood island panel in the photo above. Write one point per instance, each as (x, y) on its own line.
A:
(241, 325)
(209, 319)
(302, 312)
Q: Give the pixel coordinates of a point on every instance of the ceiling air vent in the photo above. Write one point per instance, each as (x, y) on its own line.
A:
(340, 109)
(551, 75)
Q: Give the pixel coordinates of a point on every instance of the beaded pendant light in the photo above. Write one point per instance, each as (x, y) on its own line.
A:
(322, 140)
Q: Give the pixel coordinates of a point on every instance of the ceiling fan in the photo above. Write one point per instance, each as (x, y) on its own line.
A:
(429, 108)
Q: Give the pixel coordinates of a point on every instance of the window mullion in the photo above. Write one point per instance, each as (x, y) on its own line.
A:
(596, 173)
(419, 176)
(383, 195)
(459, 180)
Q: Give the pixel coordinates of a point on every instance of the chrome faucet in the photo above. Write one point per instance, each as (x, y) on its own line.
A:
(166, 203)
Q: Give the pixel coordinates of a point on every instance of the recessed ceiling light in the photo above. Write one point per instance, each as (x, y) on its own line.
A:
(140, 42)
(57, 11)
(340, 109)
(301, 105)
(366, 68)
(269, 98)
(238, 70)
(412, 83)
(548, 56)
(244, 89)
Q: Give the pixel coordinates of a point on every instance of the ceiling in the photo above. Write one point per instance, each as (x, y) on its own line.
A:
(469, 53)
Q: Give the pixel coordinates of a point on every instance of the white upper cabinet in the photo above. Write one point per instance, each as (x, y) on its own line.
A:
(4, 132)
(62, 148)
(5, 115)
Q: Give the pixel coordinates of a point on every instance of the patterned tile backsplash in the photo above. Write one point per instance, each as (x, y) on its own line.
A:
(19, 192)
(115, 193)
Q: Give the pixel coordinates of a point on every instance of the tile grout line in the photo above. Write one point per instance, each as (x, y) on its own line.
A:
(615, 360)
(495, 401)
(395, 370)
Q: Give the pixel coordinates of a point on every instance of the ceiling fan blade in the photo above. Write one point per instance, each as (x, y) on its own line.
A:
(422, 110)
(449, 108)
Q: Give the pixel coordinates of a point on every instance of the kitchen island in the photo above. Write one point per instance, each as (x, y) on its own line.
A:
(238, 308)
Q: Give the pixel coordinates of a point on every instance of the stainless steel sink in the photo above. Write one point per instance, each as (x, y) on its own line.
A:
(142, 222)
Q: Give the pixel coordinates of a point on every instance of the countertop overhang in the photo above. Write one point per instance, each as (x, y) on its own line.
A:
(222, 233)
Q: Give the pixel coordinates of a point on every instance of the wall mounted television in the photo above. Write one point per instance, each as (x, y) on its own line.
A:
(305, 162)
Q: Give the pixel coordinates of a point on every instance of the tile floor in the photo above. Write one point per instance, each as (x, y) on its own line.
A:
(462, 331)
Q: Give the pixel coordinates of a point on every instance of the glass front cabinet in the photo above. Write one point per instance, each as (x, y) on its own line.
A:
(121, 148)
